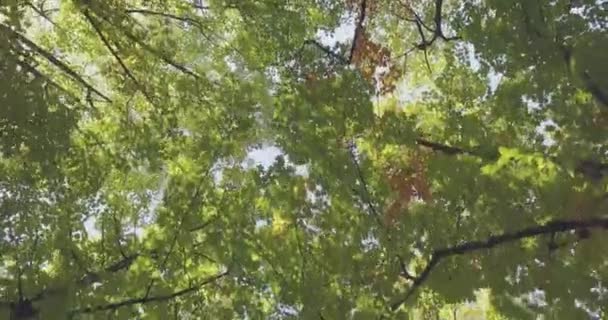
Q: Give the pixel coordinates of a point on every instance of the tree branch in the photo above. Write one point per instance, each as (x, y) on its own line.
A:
(200, 7)
(44, 77)
(437, 31)
(166, 15)
(122, 264)
(328, 51)
(154, 51)
(404, 272)
(145, 300)
(114, 53)
(53, 60)
(41, 13)
(358, 29)
(595, 90)
(590, 169)
(204, 224)
(449, 150)
(437, 18)
(361, 178)
(551, 227)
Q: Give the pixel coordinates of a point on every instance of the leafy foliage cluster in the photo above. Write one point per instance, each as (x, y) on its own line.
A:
(448, 151)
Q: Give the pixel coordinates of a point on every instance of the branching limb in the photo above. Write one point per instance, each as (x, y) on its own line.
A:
(41, 13)
(52, 59)
(155, 52)
(204, 225)
(551, 227)
(436, 30)
(590, 169)
(116, 56)
(145, 300)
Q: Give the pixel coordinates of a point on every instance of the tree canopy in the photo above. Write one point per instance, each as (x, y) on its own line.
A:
(429, 154)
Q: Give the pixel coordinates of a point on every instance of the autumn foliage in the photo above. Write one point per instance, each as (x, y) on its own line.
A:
(407, 182)
(371, 58)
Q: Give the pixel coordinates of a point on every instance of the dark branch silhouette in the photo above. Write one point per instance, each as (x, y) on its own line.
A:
(436, 30)
(37, 73)
(590, 169)
(155, 52)
(330, 53)
(404, 273)
(361, 178)
(445, 149)
(597, 92)
(204, 224)
(116, 56)
(162, 14)
(41, 13)
(551, 227)
(107, 44)
(171, 16)
(53, 60)
(144, 300)
(358, 29)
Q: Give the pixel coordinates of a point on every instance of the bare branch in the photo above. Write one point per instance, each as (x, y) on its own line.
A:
(597, 92)
(122, 264)
(200, 7)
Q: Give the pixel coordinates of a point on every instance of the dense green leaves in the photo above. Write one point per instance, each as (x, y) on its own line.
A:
(437, 153)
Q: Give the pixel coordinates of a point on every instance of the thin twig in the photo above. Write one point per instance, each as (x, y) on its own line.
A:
(361, 177)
